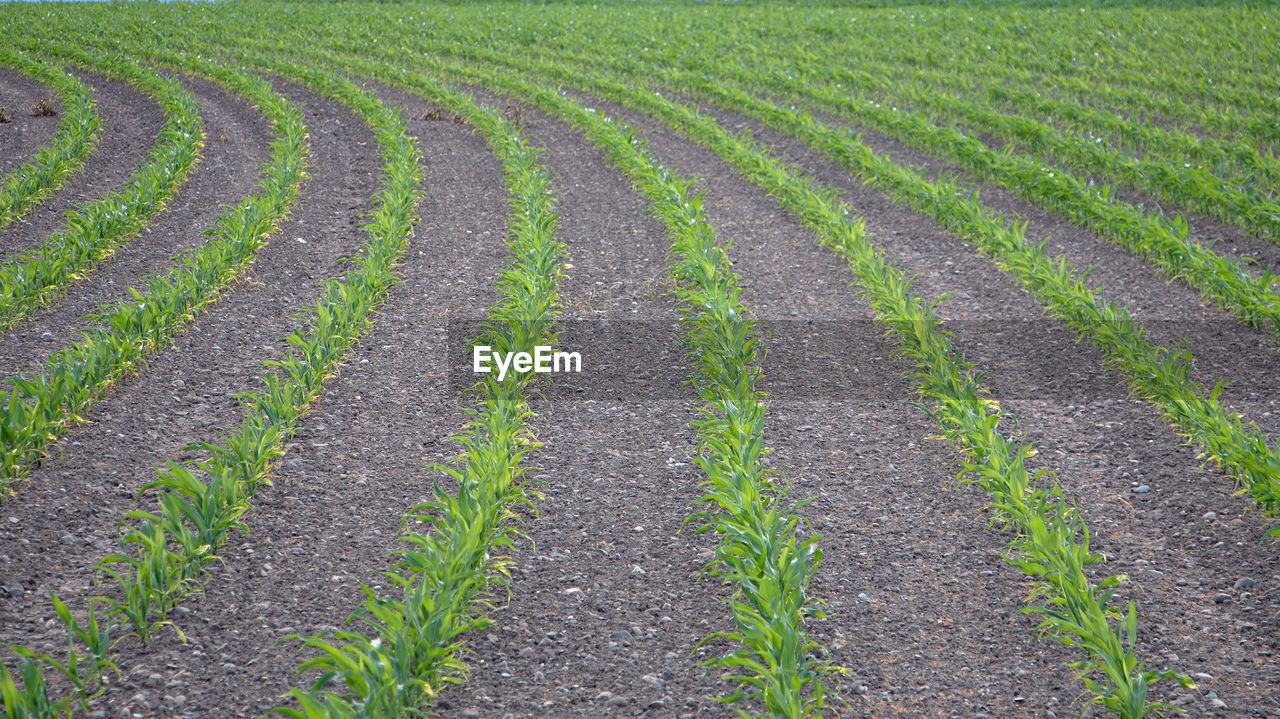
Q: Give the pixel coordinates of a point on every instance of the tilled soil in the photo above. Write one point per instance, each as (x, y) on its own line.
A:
(24, 134)
(1203, 574)
(62, 518)
(239, 136)
(131, 122)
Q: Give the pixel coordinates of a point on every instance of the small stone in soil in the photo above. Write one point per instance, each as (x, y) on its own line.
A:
(1243, 583)
(1142, 489)
(618, 701)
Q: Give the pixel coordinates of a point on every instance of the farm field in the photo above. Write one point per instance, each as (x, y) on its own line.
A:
(928, 360)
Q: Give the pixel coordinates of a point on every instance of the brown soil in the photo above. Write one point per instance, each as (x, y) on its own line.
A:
(131, 122)
(238, 144)
(23, 135)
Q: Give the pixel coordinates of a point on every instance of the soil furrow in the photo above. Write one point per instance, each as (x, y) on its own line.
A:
(1205, 578)
(357, 464)
(901, 536)
(238, 144)
(131, 122)
(63, 517)
(23, 134)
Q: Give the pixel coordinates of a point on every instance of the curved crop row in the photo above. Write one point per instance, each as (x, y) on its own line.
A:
(165, 553)
(75, 138)
(1159, 375)
(760, 552)
(1193, 188)
(1162, 242)
(96, 229)
(38, 410)
(452, 561)
(1123, 66)
(236, 237)
(1052, 543)
(1102, 129)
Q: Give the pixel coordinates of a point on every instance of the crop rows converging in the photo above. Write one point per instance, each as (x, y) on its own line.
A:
(905, 455)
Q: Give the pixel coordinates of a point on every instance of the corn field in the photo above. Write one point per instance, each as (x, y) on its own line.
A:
(928, 360)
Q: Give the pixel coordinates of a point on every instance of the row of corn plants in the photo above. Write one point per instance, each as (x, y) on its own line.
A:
(189, 515)
(760, 553)
(456, 544)
(1160, 375)
(94, 230)
(1195, 172)
(38, 410)
(1074, 610)
(1193, 188)
(1102, 129)
(1052, 540)
(1161, 241)
(164, 554)
(1126, 64)
(75, 137)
